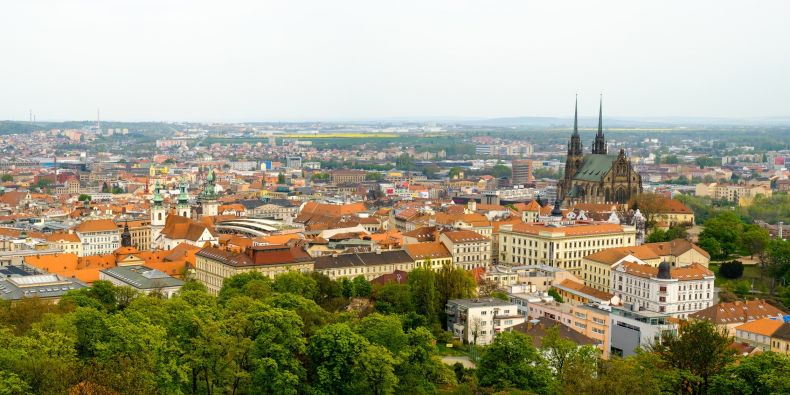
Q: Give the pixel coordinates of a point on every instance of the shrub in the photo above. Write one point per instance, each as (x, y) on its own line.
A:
(731, 269)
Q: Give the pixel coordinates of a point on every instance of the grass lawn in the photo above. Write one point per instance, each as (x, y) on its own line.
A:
(462, 351)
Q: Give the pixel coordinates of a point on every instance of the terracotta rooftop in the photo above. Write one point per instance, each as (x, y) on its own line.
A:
(578, 229)
(465, 236)
(421, 251)
(735, 312)
(695, 271)
(763, 326)
(96, 225)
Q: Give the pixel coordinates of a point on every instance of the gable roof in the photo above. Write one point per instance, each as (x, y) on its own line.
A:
(763, 326)
(594, 167)
(363, 259)
(421, 251)
(182, 228)
(97, 225)
(735, 312)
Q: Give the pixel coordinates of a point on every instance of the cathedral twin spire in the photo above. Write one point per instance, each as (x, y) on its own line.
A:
(599, 144)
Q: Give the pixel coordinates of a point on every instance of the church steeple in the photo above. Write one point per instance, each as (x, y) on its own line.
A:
(575, 145)
(126, 236)
(599, 145)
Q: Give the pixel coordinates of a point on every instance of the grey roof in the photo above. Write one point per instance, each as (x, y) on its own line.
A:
(480, 302)
(251, 204)
(142, 277)
(363, 259)
(37, 285)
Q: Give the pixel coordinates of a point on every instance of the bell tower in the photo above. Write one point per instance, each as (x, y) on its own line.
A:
(573, 162)
(158, 214)
(182, 207)
(208, 198)
(599, 144)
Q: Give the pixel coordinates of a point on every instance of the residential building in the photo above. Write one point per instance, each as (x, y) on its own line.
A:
(20, 282)
(344, 176)
(780, 340)
(521, 172)
(65, 241)
(677, 292)
(597, 267)
(589, 320)
(369, 265)
(732, 314)
(478, 321)
(140, 232)
(179, 229)
(429, 255)
(736, 193)
(469, 249)
(561, 246)
(142, 279)
(632, 330)
(758, 333)
(213, 265)
(98, 237)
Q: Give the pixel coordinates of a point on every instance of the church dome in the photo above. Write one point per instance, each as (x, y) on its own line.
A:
(664, 271)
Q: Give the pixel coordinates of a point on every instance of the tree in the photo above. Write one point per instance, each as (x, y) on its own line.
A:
(276, 351)
(296, 283)
(454, 172)
(656, 236)
(777, 260)
(453, 283)
(281, 178)
(726, 229)
(374, 371)
(765, 373)
(422, 284)
(555, 294)
(511, 361)
(333, 351)
(754, 239)
(418, 367)
(384, 330)
(393, 298)
(83, 197)
(11, 384)
(702, 349)
(500, 171)
(6, 177)
(731, 269)
(566, 358)
(362, 287)
(373, 176)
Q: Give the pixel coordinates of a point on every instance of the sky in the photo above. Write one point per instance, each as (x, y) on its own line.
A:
(228, 61)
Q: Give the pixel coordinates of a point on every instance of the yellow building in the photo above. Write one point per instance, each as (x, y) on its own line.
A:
(562, 246)
(780, 340)
(431, 255)
(213, 265)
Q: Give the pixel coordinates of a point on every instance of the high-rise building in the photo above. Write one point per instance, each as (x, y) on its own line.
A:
(522, 172)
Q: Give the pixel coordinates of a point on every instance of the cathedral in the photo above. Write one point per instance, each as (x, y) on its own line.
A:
(597, 177)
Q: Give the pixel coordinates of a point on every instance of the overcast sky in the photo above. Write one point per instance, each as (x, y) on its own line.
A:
(328, 59)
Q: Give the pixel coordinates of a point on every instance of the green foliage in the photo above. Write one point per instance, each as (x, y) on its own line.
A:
(731, 269)
(702, 349)
(556, 295)
(281, 178)
(362, 287)
(384, 330)
(511, 361)
(319, 177)
(422, 286)
(373, 176)
(296, 283)
(500, 171)
(766, 373)
(393, 298)
(725, 229)
(6, 177)
(83, 197)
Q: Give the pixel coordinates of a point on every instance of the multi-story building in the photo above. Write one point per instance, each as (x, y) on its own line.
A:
(478, 321)
(591, 321)
(344, 176)
(469, 249)
(431, 255)
(140, 232)
(98, 237)
(780, 340)
(597, 267)
(631, 330)
(561, 246)
(732, 314)
(142, 279)
(293, 162)
(213, 265)
(758, 333)
(66, 242)
(736, 193)
(522, 172)
(369, 264)
(673, 291)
